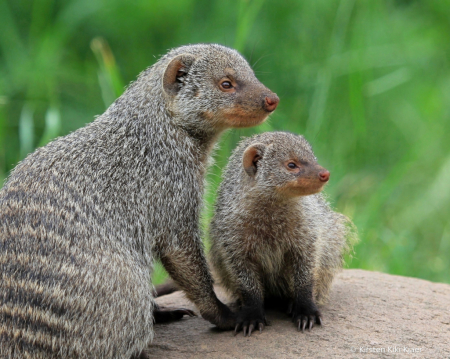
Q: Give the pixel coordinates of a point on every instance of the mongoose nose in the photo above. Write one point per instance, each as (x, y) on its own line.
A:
(324, 176)
(271, 102)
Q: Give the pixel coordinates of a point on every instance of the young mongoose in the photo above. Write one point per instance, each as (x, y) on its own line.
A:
(273, 236)
(83, 218)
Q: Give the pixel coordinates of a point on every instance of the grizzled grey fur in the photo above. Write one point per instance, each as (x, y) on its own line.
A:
(82, 219)
(273, 235)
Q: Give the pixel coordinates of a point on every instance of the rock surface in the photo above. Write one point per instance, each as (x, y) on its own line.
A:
(369, 315)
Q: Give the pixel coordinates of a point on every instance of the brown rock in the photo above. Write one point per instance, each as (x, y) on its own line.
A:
(369, 315)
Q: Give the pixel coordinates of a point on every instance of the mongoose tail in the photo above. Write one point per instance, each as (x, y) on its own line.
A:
(166, 288)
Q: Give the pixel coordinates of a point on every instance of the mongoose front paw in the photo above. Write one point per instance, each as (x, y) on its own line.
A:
(227, 320)
(164, 314)
(224, 318)
(249, 319)
(305, 316)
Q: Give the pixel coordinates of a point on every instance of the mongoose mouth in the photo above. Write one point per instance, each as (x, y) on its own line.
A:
(238, 118)
(247, 114)
(303, 186)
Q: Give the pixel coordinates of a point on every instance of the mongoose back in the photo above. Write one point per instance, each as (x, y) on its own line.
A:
(82, 219)
(273, 235)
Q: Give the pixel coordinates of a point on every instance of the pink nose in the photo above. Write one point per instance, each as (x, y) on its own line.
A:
(324, 176)
(271, 102)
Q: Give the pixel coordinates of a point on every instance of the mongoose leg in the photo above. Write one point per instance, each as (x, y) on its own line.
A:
(165, 314)
(304, 310)
(251, 314)
(188, 268)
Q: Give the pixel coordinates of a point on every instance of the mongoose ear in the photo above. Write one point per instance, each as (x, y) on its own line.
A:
(175, 73)
(252, 155)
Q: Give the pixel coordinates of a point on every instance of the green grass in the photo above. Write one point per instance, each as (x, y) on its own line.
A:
(366, 82)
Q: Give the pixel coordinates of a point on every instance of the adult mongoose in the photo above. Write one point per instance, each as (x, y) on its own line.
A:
(273, 236)
(82, 219)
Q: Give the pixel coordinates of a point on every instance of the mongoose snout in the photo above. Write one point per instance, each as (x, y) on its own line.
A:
(324, 176)
(271, 102)
(274, 237)
(310, 178)
(308, 181)
(250, 105)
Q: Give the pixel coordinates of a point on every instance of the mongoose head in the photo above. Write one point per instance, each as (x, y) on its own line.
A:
(209, 86)
(285, 163)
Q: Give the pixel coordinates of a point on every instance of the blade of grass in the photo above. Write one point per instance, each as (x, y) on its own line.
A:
(52, 125)
(110, 80)
(26, 131)
(40, 18)
(248, 10)
(11, 44)
(324, 75)
(432, 200)
(159, 274)
(2, 139)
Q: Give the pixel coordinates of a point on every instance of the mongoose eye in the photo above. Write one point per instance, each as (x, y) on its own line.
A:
(292, 165)
(226, 85)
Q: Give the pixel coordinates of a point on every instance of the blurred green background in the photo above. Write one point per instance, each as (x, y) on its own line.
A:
(367, 83)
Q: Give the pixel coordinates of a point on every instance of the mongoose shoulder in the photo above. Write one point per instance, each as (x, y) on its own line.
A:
(273, 235)
(83, 218)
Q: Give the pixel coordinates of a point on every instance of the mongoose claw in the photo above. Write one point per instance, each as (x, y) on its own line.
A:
(249, 321)
(237, 329)
(320, 320)
(245, 329)
(302, 324)
(311, 322)
(307, 320)
(250, 329)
